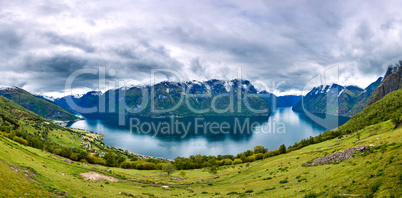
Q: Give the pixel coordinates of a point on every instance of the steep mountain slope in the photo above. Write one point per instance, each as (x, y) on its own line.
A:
(88, 100)
(364, 97)
(392, 82)
(331, 99)
(336, 99)
(40, 106)
(193, 98)
(389, 107)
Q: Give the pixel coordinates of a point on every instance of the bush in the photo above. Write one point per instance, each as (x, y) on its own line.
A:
(213, 170)
(182, 173)
(20, 140)
(237, 161)
(311, 195)
(228, 162)
(249, 191)
(284, 181)
(375, 186)
(74, 157)
(400, 177)
(271, 153)
(250, 159)
(259, 156)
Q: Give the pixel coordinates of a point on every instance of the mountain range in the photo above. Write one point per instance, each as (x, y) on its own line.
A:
(193, 98)
(336, 99)
(208, 98)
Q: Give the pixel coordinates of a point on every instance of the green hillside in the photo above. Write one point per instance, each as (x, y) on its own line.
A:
(389, 107)
(34, 169)
(40, 106)
(376, 174)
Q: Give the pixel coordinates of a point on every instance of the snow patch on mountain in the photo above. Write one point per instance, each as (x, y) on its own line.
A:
(7, 87)
(341, 92)
(228, 85)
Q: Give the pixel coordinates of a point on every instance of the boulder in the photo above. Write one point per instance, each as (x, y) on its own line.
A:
(165, 187)
(339, 156)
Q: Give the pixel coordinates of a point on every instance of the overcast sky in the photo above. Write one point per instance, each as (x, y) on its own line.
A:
(43, 42)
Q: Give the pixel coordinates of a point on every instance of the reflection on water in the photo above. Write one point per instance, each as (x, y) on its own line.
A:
(209, 136)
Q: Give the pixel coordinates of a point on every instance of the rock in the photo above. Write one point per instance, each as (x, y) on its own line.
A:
(339, 156)
(165, 187)
(177, 178)
(371, 145)
(189, 188)
(130, 195)
(216, 177)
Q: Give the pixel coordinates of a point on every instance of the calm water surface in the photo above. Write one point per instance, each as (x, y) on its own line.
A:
(237, 134)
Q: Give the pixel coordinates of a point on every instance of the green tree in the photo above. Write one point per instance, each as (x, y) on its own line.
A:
(282, 149)
(110, 159)
(169, 168)
(260, 149)
(396, 119)
(121, 159)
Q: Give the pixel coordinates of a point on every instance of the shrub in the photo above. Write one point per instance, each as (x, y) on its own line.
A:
(284, 181)
(228, 162)
(311, 195)
(259, 156)
(20, 140)
(375, 186)
(74, 157)
(271, 153)
(213, 170)
(400, 176)
(182, 173)
(249, 191)
(237, 161)
(250, 159)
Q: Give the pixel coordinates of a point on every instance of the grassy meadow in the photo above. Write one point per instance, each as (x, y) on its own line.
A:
(30, 172)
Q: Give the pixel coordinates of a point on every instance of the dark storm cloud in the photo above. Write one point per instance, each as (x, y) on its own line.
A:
(43, 42)
(76, 42)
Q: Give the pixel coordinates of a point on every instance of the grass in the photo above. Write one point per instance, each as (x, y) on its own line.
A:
(377, 174)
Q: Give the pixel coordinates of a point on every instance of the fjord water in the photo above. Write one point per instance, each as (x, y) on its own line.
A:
(239, 134)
